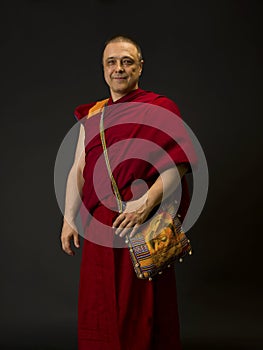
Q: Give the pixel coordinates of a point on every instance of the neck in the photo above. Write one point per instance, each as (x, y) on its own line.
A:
(116, 96)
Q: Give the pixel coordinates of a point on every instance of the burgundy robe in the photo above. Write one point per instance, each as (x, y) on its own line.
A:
(118, 311)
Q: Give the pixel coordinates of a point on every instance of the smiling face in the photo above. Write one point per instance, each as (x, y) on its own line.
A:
(122, 68)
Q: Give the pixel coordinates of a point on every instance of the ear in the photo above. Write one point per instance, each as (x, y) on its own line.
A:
(141, 66)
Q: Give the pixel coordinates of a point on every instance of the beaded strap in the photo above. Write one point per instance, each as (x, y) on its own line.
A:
(120, 204)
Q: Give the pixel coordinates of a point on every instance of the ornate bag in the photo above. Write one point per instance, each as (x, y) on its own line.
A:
(159, 244)
(161, 241)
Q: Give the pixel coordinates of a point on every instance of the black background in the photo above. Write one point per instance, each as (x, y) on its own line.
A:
(206, 56)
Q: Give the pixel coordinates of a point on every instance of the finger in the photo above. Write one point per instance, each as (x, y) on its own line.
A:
(76, 240)
(125, 231)
(126, 223)
(128, 228)
(118, 220)
(134, 230)
(66, 247)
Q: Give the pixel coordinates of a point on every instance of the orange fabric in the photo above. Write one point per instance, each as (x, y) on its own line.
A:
(97, 108)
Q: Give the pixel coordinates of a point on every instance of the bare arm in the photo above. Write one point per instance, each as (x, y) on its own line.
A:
(137, 211)
(73, 197)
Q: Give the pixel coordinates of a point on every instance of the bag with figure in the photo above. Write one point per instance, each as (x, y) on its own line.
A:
(159, 244)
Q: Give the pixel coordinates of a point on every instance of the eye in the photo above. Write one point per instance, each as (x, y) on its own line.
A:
(127, 61)
(111, 62)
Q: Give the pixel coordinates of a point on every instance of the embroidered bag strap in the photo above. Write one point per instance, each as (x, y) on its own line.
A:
(120, 204)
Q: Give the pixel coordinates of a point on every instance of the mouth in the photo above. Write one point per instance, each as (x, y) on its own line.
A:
(119, 78)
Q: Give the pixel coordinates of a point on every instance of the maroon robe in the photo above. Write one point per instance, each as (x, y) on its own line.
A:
(118, 311)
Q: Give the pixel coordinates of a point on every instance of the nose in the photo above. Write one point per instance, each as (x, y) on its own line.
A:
(119, 66)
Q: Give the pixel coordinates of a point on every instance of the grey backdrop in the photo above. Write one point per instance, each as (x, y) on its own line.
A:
(206, 56)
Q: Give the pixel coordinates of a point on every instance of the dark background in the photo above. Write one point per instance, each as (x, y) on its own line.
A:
(206, 56)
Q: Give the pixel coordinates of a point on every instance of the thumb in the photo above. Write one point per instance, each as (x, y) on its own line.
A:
(76, 240)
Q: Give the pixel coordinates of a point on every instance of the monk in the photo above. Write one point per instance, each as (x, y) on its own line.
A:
(117, 310)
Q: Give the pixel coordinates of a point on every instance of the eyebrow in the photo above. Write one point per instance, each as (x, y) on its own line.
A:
(114, 57)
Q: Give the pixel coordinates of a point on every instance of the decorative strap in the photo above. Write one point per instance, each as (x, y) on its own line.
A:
(105, 153)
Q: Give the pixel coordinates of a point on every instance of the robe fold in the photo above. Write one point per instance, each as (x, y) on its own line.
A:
(116, 310)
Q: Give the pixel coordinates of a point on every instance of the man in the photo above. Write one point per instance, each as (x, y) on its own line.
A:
(118, 311)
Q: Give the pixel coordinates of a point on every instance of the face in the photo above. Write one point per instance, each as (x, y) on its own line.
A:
(162, 241)
(122, 68)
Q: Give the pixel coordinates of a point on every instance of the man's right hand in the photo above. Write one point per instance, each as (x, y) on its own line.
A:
(69, 233)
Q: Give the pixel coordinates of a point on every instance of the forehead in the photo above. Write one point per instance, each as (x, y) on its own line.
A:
(120, 49)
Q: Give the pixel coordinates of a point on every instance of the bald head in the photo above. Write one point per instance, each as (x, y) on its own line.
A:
(122, 38)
